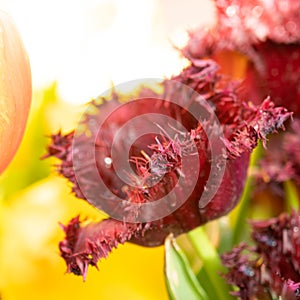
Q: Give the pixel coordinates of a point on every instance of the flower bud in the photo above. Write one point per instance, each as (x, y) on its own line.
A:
(15, 89)
(257, 42)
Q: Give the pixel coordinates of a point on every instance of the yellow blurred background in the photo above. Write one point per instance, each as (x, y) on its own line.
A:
(33, 200)
(82, 46)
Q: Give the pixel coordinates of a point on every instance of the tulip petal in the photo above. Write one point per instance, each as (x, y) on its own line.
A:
(15, 89)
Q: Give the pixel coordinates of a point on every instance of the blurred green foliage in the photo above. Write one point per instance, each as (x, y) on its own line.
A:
(27, 167)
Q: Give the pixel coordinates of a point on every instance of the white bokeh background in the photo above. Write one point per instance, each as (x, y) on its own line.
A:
(85, 45)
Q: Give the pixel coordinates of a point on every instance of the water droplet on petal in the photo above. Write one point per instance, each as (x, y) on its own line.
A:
(108, 162)
(231, 11)
(248, 271)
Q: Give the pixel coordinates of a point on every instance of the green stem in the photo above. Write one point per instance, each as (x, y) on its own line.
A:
(239, 223)
(241, 211)
(211, 262)
(291, 193)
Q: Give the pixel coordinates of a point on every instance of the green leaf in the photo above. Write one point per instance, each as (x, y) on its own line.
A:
(239, 215)
(211, 262)
(207, 284)
(180, 280)
(28, 167)
(292, 198)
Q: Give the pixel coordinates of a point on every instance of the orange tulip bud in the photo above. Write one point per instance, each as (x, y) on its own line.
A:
(15, 89)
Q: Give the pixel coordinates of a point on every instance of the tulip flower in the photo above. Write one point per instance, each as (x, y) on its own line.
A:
(15, 89)
(257, 42)
(270, 268)
(174, 163)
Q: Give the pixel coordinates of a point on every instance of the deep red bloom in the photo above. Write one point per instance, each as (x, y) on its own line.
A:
(272, 266)
(162, 159)
(258, 42)
(283, 162)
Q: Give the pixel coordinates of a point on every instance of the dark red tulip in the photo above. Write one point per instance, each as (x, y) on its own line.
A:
(271, 268)
(163, 162)
(257, 42)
